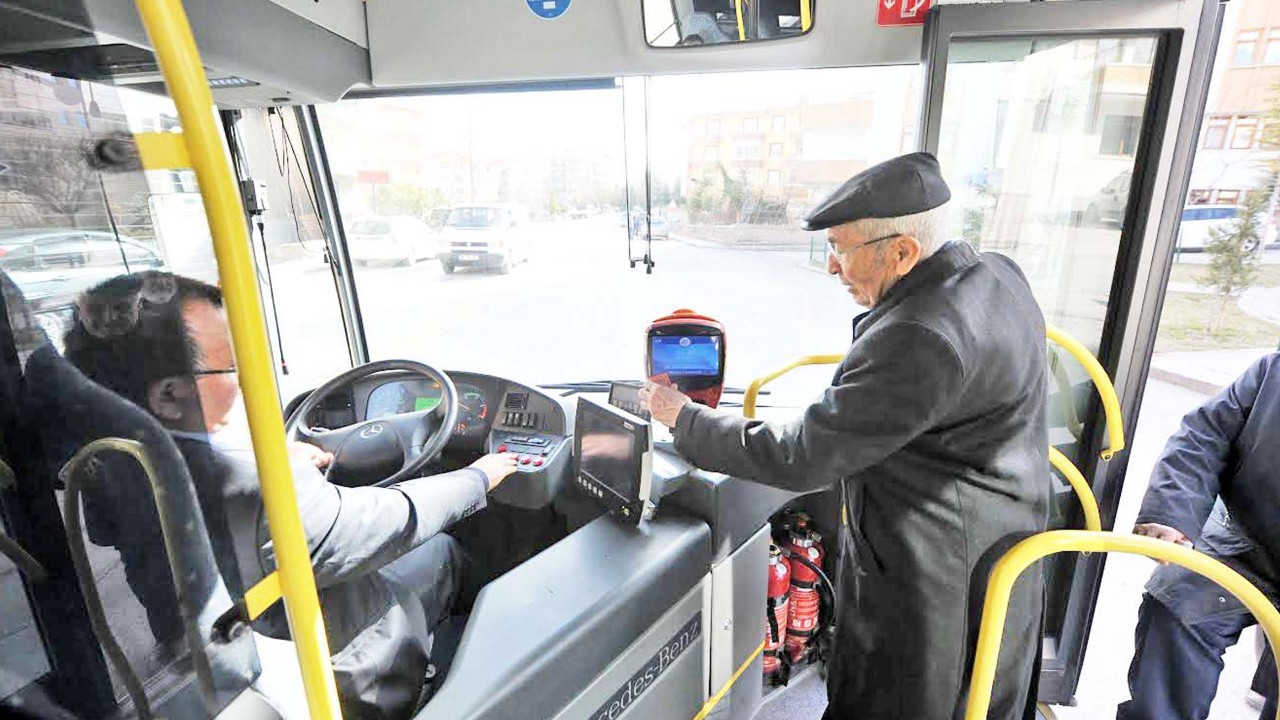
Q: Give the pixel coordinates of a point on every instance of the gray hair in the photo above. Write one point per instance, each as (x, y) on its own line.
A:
(929, 227)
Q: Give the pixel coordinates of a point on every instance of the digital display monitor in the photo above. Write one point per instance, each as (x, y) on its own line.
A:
(626, 396)
(685, 355)
(426, 403)
(612, 457)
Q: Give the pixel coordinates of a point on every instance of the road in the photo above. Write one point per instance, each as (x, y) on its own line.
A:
(575, 311)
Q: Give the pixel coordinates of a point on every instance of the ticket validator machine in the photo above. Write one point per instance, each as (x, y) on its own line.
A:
(687, 350)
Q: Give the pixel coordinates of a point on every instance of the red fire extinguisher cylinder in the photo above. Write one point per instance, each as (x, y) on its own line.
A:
(804, 599)
(775, 631)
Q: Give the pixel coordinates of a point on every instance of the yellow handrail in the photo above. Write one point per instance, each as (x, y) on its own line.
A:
(749, 398)
(170, 34)
(1006, 572)
(1107, 391)
(1092, 519)
(806, 16)
(714, 700)
(742, 28)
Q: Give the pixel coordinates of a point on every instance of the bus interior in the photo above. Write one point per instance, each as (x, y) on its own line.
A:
(456, 206)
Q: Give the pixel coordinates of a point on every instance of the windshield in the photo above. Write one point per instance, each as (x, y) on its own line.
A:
(476, 217)
(711, 174)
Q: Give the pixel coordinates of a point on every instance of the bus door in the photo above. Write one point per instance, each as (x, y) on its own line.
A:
(1066, 132)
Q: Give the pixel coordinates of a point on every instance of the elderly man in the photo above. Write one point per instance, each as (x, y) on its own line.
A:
(934, 432)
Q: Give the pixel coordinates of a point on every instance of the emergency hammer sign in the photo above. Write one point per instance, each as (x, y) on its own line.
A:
(902, 12)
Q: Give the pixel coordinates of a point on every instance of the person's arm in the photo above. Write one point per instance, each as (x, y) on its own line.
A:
(353, 531)
(1187, 479)
(898, 382)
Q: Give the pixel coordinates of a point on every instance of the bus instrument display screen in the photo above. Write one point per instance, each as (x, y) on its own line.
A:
(685, 355)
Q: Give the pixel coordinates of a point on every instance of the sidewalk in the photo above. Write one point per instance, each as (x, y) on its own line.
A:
(1205, 372)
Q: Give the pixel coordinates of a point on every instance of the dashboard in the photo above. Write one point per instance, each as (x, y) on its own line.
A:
(485, 404)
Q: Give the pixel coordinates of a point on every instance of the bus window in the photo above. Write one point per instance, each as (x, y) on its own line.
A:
(66, 228)
(1059, 215)
(734, 162)
(303, 318)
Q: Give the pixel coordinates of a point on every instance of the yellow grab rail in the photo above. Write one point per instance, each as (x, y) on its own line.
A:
(1092, 518)
(1107, 391)
(170, 34)
(749, 397)
(1010, 567)
(806, 16)
(742, 28)
(714, 700)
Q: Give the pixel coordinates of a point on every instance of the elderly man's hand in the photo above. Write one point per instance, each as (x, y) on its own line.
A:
(663, 402)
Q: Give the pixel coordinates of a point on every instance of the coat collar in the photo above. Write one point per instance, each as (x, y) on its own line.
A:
(947, 261)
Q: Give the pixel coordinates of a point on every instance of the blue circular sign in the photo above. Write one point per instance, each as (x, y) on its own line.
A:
(549, 9)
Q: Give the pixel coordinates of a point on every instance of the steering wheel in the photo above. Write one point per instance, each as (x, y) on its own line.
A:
(409, 440)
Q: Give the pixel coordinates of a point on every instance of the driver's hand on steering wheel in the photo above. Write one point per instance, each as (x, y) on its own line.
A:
(496, 467)
(310, 454)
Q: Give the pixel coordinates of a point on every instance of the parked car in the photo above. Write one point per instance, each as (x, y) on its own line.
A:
(488, 237)
(53, 266)
(658, 229)
(1109, 204)
(399, 240)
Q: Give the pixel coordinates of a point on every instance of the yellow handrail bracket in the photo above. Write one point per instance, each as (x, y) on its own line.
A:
(170, 34)
(1021, 556)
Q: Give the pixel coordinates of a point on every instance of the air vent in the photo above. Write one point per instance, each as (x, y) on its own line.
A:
(517, 401)
(230, 82)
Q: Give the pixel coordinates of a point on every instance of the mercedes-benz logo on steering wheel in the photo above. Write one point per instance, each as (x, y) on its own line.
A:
(371, 431)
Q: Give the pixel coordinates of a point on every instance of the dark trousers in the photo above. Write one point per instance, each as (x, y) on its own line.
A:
(1178, 658)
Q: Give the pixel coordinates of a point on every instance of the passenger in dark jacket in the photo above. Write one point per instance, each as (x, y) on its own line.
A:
(1217, 487)
(934, 430)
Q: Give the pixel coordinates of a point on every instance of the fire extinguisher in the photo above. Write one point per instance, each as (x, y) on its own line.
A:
(775, 631)
(805, 601)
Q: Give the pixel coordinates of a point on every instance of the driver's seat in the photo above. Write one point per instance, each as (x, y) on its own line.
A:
(122, 503)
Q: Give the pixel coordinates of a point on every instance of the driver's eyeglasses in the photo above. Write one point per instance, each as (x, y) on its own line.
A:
(841, 252)
(222, 371)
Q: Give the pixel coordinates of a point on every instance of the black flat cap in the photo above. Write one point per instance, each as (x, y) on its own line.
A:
(905, 185)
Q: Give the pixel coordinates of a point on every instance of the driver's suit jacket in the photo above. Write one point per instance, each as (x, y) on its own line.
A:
(934, 431)
(379, 658)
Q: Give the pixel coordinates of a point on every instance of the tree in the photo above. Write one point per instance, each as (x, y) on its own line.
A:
(404, 199)
(1233, 251)
(51, 168)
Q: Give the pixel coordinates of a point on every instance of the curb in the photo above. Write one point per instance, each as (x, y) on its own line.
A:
(1207, 389)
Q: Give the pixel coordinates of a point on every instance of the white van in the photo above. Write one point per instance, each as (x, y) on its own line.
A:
(488, 237)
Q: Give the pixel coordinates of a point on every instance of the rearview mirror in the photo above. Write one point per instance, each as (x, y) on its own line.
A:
(683, 23)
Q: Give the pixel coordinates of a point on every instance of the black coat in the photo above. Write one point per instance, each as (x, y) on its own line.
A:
(935, 430)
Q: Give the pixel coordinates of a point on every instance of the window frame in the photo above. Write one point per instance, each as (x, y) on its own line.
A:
(1243, 38)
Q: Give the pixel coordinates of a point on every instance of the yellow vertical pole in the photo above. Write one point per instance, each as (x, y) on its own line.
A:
(806, 16)
(170, 33)
(742, 28)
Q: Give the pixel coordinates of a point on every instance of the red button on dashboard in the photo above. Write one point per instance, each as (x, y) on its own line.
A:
(502, 448)
(537, 462)
(524, 459)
